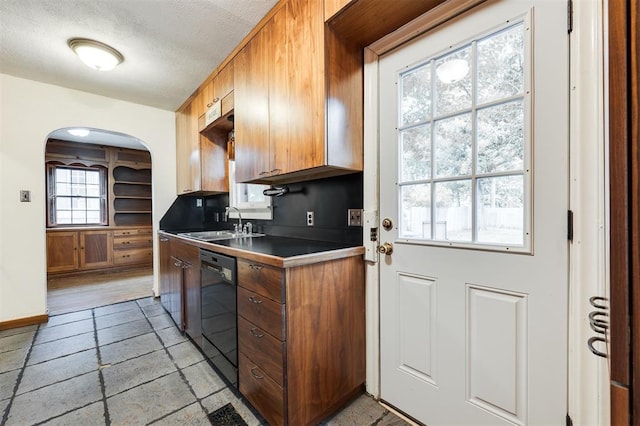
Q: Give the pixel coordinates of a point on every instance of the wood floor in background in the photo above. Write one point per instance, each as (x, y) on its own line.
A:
(76, 293)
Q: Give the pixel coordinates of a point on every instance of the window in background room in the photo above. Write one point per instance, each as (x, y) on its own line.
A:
(76, 195)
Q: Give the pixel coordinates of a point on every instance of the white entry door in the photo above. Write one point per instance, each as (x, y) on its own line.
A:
(474, 189)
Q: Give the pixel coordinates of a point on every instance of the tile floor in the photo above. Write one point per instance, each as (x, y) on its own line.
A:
(123, 364)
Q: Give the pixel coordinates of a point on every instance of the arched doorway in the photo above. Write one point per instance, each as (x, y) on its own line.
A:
(98, 219)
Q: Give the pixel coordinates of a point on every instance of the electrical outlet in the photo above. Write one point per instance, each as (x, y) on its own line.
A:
(309, 218)
(25, 196)
(354, 217)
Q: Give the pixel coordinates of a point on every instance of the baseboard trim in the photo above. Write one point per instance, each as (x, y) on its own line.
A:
(21, 322)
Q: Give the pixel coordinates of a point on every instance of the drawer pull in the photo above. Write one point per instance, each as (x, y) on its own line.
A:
(256, 376)
(255, 267)
(255, 333)
(254, 300)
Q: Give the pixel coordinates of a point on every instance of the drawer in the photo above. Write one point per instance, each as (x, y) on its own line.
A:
(262, 279)
(261, 310)
(130, 257)
(261, 348)
(136, 241)
(132, 232)
(261, 391)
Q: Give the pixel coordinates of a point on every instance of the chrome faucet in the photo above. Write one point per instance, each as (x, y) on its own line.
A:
(226, 217)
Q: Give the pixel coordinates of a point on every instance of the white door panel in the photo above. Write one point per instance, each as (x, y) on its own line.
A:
(474, 299)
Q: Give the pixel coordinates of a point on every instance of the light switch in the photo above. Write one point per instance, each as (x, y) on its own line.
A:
(25, 196)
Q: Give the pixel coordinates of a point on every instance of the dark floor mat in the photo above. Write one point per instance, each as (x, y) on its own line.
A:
(226, 416)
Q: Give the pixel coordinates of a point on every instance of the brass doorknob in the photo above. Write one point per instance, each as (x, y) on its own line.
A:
(386, 248)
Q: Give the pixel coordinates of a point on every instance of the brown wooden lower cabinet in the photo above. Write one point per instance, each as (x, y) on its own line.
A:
(71, 251)
(62, 251)
(180, 284)
(301, 338)
(95, 249)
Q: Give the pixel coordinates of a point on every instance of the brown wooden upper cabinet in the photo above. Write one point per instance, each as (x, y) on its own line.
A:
(223, 85)
(298, 94)
(187, 149)
(201, 162)
(216, 89)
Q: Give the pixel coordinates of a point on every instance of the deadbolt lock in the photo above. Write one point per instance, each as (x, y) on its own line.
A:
(387, 224)
(386, 248)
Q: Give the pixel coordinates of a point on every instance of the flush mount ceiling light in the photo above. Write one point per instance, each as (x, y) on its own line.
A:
(96, 55)
(79, 132)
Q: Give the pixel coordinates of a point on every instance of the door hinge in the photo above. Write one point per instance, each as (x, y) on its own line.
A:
(570, 225)
(569, 421)
(569, 16)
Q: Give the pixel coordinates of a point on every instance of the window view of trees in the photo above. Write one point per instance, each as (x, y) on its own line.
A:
(463, 143)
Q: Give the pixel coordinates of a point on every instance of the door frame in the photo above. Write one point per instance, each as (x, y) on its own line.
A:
(624, 151)
(586, 130)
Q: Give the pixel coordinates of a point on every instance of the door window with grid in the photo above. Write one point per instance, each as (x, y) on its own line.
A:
(76, 195)
(464, 157)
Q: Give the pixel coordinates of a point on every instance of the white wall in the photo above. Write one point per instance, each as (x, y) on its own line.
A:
(29, 111)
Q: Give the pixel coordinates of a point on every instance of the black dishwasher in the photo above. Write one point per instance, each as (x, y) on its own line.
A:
(219, 321)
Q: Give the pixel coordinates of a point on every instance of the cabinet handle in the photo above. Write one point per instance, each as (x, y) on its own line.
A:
(257, 376)
(255, 333)
(255, 267)
(275, 172)
(263, 173)
(177, 263)
(164, 240)
(186, 265)
(186, 190)
(254, 300)
(209, 104)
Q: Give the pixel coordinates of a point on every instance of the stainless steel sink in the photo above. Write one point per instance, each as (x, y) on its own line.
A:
(217, 235)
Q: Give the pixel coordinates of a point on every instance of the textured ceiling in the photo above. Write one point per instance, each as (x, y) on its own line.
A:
(170, 46)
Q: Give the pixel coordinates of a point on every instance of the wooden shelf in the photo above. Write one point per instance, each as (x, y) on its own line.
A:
(131, 203)
(132, 219)
(131, 190)
(133, 183)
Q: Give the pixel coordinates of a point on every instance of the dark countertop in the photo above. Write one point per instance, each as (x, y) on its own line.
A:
(282, 246)
(277, 251)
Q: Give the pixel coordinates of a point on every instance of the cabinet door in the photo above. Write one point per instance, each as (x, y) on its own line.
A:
(223, 82)
(95, 249)
(187, 150)
(281, 73)
(205, 98)
(175, 298)
(190, 256)
(62, 251)
(297, 88)
(165, 270)
(182, 281)
(251, 93)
